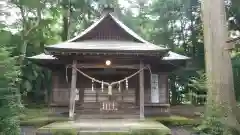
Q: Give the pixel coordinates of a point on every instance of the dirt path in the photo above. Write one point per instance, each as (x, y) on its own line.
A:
(180, 131)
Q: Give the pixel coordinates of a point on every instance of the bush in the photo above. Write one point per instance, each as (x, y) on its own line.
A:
(214, 124)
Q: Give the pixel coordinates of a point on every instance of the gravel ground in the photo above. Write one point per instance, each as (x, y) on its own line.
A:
(28, 131)
(180, 131)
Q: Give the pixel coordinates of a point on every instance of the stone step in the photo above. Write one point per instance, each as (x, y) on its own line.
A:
(97, 132)
(110, 116)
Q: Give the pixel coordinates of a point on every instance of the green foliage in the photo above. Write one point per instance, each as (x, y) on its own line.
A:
(236, 73)
(176, 121)
(198, 84)
(9, 94)
(40, 23)
(214, 124)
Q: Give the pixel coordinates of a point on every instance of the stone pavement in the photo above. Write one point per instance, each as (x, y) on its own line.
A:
(106, 125)
(174, 131)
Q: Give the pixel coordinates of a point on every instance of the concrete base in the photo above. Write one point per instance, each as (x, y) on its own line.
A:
(104, 125)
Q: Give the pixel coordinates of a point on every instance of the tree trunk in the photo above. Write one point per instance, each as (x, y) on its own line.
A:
(218, 62)
(174, 98)
(66, 19)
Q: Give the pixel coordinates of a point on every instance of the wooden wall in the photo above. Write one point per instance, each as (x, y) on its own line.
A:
(60, 94)
(163, 88)
(60, 89)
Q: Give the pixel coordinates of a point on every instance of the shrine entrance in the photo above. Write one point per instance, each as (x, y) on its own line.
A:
(98, 103)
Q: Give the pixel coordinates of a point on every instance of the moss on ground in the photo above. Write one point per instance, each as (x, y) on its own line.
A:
(176, 121)
(38, 117)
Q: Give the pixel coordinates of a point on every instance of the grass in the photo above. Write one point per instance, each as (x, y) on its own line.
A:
(38, 117)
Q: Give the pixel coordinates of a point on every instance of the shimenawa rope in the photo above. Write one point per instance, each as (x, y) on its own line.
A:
(106, 83)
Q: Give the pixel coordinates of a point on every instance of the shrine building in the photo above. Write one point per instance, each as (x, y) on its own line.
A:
(109, 71)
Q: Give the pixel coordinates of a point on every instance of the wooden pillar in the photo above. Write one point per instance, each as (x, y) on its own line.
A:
(73, 89)
(141, 93)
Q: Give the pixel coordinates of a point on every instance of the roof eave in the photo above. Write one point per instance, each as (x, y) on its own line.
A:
(185, 59)
(72, 50)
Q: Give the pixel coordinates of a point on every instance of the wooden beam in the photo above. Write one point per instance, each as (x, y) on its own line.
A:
(141, 85)
(72, 91)
(87, 66)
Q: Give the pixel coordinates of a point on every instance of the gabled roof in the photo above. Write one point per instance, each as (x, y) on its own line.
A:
(80, 43)
(117, 21)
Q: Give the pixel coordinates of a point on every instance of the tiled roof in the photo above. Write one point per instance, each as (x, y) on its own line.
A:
(107, 46)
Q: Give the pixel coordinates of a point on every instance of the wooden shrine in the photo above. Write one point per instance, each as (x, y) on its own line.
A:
(108, 71)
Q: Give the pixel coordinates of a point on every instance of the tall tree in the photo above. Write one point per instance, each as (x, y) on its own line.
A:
(218, 63)
(9, 93)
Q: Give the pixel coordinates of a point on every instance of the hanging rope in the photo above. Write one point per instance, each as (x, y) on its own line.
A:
(107, 83)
